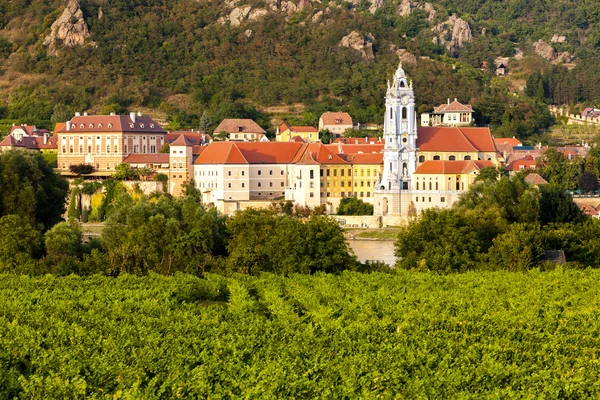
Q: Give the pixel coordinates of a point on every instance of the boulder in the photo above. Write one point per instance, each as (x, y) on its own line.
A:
(375, 5)
(70, 28)
(317, 17)
(544, 50)
(405, 8)
(461, 34)
(360, 43)
(558, 38)
(238, 14)
(257, 14)
(456, 29)
(406, 57)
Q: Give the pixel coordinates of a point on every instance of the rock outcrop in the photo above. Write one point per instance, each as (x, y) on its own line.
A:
(69, 29)
(407, 6)
(239, 14)
(556, 38)
(544, 50)
(457, 29)
(406, 57)
(360, 43)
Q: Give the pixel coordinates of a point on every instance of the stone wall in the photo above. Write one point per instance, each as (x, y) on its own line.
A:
(358, 221)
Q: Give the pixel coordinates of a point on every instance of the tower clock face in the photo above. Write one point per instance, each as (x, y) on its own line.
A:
(404, 99)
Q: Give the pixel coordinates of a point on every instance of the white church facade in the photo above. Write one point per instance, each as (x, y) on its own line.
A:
(425, 167)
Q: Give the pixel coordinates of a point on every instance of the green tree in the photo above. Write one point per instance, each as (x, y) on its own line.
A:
(64, 240)
(20, 242)
(354, 206)
(588, 182)
(518, 249)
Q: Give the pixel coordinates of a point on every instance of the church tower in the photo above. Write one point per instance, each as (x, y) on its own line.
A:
(393, 194)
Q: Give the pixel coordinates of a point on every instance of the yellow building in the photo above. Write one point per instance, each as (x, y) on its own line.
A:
(287, 133)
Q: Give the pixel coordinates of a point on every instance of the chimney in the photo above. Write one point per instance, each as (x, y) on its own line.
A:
(85, 114)
(13, 124)
(112, 114)
(45, 138)
(448, 100)
(132, 116)
(340, 151)
(78, 114)
(139, 114)
(68, 125)
(455, 99)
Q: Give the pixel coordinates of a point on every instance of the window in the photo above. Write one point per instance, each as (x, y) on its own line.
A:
(243, 185)
(467, 157)
(312, 194)
(259, 172)
(343, 183)
(270, 172)
(328, 172)
(342, 172)
(443, 199)
(107, 165)
(421, 158)
(64, 150)
(259, 184)
(403, 112)
(270, 184)
(430, 199)
(417, 185)
(281, 172)
(436, 186)
(281, 184)
(429, 185)
(71, 149)
(452, 158)
(312, 174)
(229, 173)
(243, 173)
(436, 157)
(335, 172)
(80, 149)
(229, 185)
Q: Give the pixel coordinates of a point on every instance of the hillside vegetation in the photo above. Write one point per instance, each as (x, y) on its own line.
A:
(182, 58)
(475, 335)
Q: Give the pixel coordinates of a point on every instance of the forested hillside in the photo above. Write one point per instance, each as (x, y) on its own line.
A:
(182, 58)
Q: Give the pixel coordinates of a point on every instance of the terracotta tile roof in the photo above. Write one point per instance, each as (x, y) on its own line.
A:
(349, 140)
(269, 152)
(510, 141)
(323, 155)
(28, 129)
(454, 139)
(297, 129)
(59, 126)
(297, 139)
(340, 148)
(535, 179)
(221, 153)
(195, 138)
(157, 158)
(182, 140)
(111, 123)
(336, 118)
(526, 162)
(365, 158)
(304, 157)
(451, 167)
(31, 142)
(197, 150)
(455, 106)
(239, 126)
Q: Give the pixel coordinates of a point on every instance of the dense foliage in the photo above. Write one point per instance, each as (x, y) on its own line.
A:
(354, 206)
(474, 335)
(507, 224)
(176, 59)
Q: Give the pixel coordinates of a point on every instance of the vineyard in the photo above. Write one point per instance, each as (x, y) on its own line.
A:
(405, 335)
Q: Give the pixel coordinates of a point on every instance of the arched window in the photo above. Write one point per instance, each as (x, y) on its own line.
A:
(421, 158)
(391, 113)
(452, 158)
(436, 157)
(467, 157)
(402, 84)
(403, 112)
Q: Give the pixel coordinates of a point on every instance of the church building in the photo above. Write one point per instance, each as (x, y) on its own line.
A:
(426, 167)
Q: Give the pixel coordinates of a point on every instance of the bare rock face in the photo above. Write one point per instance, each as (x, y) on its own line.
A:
(239, 14)
(405, 8)
(544, 50)
(558, 38)
(362, 44)
(257, 14)
(457, 29)
(317, 17)
(406, 57)
(461, 34)
(375, 5)
(70, 28)
(518, 54)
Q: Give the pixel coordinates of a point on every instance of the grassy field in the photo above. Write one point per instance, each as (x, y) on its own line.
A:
(376, 234)
(408, 335)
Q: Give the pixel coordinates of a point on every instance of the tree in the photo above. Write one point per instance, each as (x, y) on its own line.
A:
(205, 122)
(19, 242)
(64, 240)
(31, 189)
(166, 148)
(221, 136)
(588, 182)
(81, 169)
(488, 174)
(326, 137)
(124, 171)
(354, 206)
(556, 205)
(518, 249)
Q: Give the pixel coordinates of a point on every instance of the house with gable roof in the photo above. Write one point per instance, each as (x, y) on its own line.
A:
(241, 130)
(287, 133)
(450, 114)
(335, 122)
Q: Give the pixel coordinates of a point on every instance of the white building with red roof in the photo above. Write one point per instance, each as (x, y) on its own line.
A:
(335, 122)
(450, 114)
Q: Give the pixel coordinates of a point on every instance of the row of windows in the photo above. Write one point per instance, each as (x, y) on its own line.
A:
(451, 158)
(349, 194)
(65, 138)
(136, 149)
(442, 199)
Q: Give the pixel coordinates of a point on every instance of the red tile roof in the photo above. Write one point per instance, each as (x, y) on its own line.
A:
(195, 138)
(365, 158)
(303, 129)
(157, 158)
(451, 167)
(297, 139)
(323, 155)
(526, 162)
(31, 142)
(454, 139)
(455, 106)
(269, 152)
(239, 126)
(28, 129)
(510, 141)
(336, 118)
(112, 123)
(349, 140)
(535, 179)
(182, 140)
(221, 153)
(340, 148)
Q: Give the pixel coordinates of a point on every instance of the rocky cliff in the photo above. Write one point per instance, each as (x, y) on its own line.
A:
(69, 29)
